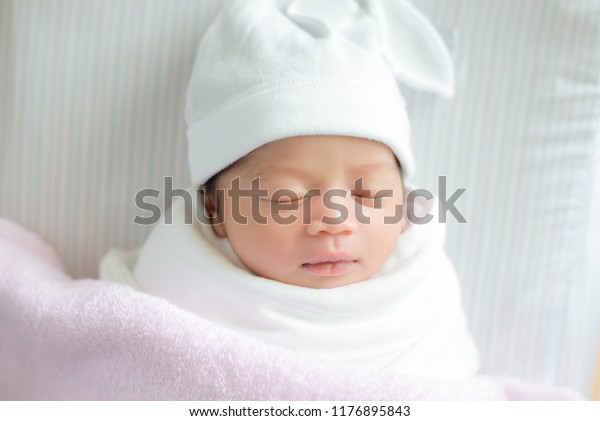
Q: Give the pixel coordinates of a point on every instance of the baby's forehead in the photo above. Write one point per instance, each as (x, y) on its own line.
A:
(298, 170)
(316, 154)
(333, 146)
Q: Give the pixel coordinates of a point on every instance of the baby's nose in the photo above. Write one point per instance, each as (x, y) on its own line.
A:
(332, 213)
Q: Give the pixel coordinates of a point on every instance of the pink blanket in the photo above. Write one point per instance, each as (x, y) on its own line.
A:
(92, 339)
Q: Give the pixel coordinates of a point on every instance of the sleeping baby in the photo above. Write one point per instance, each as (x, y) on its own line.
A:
(306, 233)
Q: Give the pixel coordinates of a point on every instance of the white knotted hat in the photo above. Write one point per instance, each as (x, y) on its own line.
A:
(271, 69)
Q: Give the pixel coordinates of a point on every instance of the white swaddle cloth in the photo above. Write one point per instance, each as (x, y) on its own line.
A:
(408, 317)
(272, 69)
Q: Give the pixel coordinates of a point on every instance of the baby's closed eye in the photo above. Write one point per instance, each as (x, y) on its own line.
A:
(372, 197)
(286, 195)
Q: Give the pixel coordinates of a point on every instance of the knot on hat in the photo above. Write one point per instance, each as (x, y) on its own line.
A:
(407, 41)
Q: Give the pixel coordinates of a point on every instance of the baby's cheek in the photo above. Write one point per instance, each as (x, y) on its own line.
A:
(253, 247)
(271, 254)
(384, 228)
(382, 211)
(268, 239)
(283, 213)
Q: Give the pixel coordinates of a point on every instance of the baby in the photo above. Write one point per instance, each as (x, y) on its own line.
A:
(299, 147)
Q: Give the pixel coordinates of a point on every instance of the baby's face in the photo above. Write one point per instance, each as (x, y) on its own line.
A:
(321, 231)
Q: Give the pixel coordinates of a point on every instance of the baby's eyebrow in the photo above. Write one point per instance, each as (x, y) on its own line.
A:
(278, 171)
(375, 166)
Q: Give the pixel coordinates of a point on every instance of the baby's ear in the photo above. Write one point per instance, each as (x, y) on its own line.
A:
(214, 216)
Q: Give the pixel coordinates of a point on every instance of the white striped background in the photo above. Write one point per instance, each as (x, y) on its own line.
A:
(91, 111)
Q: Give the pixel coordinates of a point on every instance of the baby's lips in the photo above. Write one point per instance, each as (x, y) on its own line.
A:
(330, 264)
(331, 258)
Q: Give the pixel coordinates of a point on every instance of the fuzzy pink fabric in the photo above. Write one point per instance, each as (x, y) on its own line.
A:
(92, 339)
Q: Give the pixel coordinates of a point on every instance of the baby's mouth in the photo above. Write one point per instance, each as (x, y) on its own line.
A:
(331, 265)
